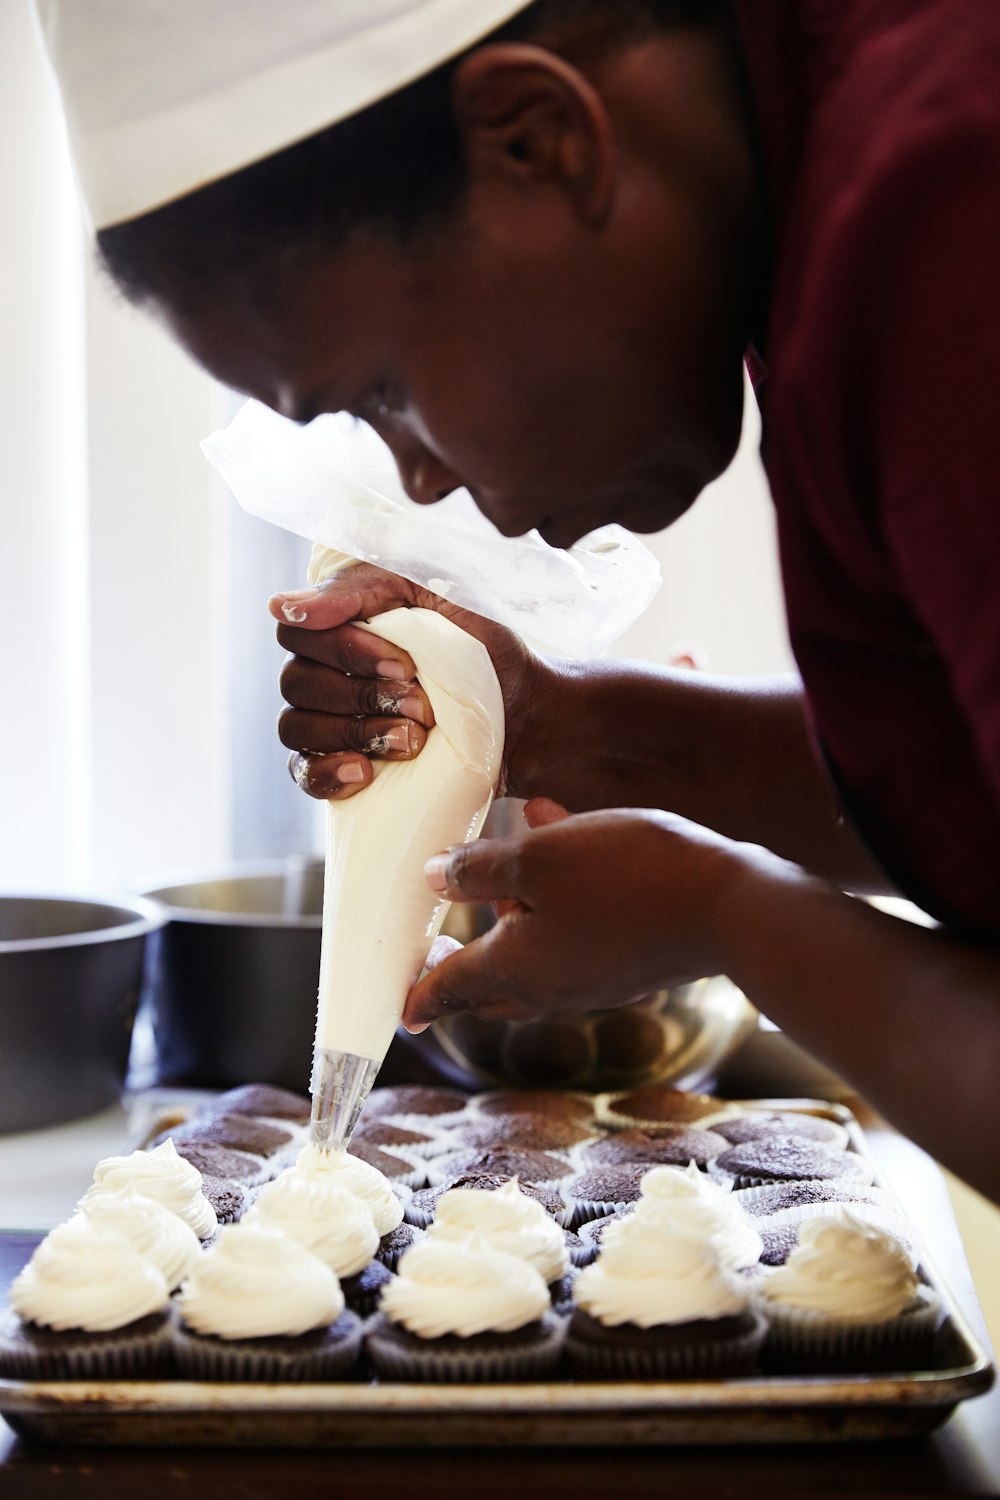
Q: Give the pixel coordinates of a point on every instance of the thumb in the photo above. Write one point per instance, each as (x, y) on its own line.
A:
(542, 810)
(355, 593)
(484, 871)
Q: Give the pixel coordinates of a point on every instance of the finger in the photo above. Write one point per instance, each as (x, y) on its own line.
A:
(348, 649)
(329, 777)
(486, 871)
(355, 593)
(323, 734)
(461, 981)
(542, 810)
(303, 685)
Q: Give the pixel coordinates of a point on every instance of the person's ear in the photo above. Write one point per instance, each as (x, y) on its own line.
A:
(528, 117)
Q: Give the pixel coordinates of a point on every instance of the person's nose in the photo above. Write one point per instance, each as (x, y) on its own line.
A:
(424, 477)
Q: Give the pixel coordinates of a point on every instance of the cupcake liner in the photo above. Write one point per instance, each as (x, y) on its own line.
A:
(703, 1358)
(30, 1353)
(747, 1198)
(416, 1215)
(482, 1358)
(743, 1180)
(800, 1336)
(327, 1355)
(391, 1257)
(580, 1211)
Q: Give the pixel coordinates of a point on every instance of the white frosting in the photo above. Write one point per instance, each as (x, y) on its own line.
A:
(509, 1221)
(463, 1287)
(159, 1174)
(379, 914)
(653, 1273)
(85, 1276)
(158, 1235)
(322, 1215)
(673, 1183)
(844, 1268)
(256, 1282)
(356, 1176)
(722, 1222)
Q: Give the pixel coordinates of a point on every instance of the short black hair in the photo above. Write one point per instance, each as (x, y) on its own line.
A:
(395, 169)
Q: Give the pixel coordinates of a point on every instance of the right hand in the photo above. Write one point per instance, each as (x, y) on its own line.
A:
(352, 696)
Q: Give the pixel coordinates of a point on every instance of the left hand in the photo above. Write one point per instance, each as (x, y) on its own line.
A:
(595, 910)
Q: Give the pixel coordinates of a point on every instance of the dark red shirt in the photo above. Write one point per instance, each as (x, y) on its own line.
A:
(879, 125)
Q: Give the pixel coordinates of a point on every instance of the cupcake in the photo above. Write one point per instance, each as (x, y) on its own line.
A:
(420, 1209)
(263, 1099)
(322, 1215)
(673, 1145)
(222, 1163)
(400, 1170)
(659, 1104)
(777, 1242)
(847, 1298)
(786, 1158)
(602, 1190)
(508, 1220)
(156, 1234)
(778, 1197)
(229, 1199)
(350, 1172)
(463, 1311)
(394, 1245)
(160, 1174)
(261, 1307)
(538, 1104)
(658, 1303)
(525, 1164)
(759, 1125)
(244, 1133)
(390, 1137)
(509, 1132)
(414, 1101)
(688, 1200)
(87, 1305)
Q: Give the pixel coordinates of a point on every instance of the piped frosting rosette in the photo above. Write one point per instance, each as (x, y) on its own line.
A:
(160, 1174)
(848, 1294)
(159, 1236)
(260, 1306)
(461, 1310)
(659, 1301)
(322, 1215)
(684, 1198)
(355, 1176)
(507, 1220)
(102, 1303)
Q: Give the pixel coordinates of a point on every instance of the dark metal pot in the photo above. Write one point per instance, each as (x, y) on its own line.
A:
(70, 978)
(233, 982)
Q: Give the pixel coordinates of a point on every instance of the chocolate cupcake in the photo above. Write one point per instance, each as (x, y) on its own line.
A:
(659, 1104)
(537, 1167)
(786, 1158)
(87, 1305)
(221, 1163)
(599, 1191)
(399, 1170)
(261, 1307)
(464, 1312)
(243, 1133)
(777, 1242)
(775, 1197)
(394, 1245)
(414, 1101)
(229, 1200)
(363, 1291)
(519, 1132)
(421, 1207)
(759, 1126)
(263, 1099)
(549, 1104)
(592, 1232)
(669, 1145)
(390, 1137)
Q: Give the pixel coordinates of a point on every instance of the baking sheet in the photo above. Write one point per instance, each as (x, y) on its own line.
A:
(763, 1409)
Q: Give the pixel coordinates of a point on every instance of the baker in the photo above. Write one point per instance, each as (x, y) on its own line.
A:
(532, 245)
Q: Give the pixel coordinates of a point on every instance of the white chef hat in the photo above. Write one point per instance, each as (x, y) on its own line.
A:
(164, 96)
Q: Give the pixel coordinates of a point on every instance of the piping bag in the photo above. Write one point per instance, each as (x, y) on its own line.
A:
(335, 483)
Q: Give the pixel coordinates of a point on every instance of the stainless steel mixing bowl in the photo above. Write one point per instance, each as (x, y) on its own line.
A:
(70, 977)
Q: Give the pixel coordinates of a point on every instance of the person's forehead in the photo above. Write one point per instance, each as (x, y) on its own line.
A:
(161, 99)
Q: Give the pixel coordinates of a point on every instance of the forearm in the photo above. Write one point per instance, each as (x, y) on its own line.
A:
(732, 754)
(909, 1015)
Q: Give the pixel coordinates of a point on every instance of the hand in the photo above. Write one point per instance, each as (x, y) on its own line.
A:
(595, 910)
(352, 696)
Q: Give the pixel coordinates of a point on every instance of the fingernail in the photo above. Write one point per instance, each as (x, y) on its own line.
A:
(350, 773)
(398, 738)
(436, 872)
(292, 614)
(411, 707)
(418, 1029)
(393, 671)
(301, 772)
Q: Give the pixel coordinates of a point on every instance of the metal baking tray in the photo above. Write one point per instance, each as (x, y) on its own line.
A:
(790, 1409)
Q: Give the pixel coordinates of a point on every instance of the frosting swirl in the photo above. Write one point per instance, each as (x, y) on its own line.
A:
(323, 1216)
(463, 1287)
(159, 1174)
(651, 1273)
(722, 1222)
(256, 1282)
(846, 1268)
(85, 1276)
(158, 1235)
(509, 1221)
(673, 1183)
(350, 1172)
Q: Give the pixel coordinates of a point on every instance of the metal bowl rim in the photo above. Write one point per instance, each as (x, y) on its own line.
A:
(240, 870)
(146, 918)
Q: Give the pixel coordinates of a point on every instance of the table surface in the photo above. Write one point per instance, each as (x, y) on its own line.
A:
(962, 1457)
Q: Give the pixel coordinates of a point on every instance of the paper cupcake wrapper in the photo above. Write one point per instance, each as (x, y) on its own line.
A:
(743, 1180)
(471, 1366)
(197, 1358)
(729, 1357)
(425, 1123)
(802, 1334)
(417, 1216)
(145, 1356)
(580, 1211)
(747, 1197)
(391, 1258)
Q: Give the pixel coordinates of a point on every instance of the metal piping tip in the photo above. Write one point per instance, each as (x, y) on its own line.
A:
(341, 1082)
